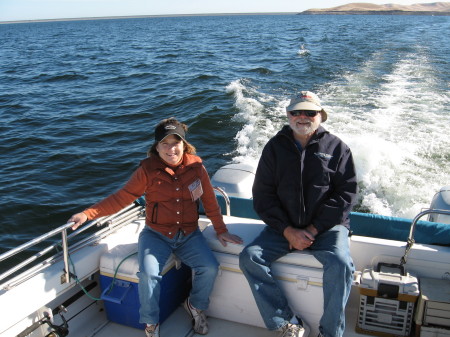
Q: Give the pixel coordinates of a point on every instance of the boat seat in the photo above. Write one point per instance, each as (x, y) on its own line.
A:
(248, 229)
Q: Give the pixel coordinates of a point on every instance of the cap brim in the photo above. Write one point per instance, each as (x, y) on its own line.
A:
(304, 106)
(173, 133)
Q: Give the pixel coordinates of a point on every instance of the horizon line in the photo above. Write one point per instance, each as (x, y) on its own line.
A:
(142, 16)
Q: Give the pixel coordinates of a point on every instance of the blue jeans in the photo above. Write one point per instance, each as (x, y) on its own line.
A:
(153, 251)
(330, 248)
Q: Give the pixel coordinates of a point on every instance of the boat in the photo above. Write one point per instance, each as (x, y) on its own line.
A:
(83, 282)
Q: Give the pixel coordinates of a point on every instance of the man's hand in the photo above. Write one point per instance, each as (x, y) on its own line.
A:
(299, 239)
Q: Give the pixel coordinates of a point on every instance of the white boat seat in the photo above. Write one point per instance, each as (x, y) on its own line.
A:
(248, 229)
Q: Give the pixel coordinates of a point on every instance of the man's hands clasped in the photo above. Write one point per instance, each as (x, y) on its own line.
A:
(300, 239)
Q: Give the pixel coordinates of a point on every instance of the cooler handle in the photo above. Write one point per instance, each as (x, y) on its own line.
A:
(118, 295)
(392, 265)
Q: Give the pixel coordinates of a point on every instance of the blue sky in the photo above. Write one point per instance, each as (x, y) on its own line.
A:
(11, 10)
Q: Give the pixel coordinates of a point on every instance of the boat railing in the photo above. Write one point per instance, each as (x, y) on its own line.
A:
(410, 240)
(226, 198)
(113, 222)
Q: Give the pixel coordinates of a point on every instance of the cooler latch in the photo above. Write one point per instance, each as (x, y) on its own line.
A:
(302, 282)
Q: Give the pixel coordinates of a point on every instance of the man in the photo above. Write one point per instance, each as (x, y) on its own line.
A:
(304, 189)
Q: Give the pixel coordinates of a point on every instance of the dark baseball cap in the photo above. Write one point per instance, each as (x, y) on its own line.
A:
(169, 127)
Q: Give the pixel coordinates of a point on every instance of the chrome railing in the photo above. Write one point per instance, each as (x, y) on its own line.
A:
(411, 241)
(226, 198)
(114, 222)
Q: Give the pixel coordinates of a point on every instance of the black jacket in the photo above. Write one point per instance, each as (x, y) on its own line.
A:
(298, 188)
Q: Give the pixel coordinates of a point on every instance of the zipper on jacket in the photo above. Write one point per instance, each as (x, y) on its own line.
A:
(301, 216)
(301, 153)
(302, 199)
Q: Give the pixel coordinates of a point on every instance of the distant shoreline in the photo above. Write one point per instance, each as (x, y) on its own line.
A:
(142, 17)
(307, 12)
(395, 12)
(363, 8)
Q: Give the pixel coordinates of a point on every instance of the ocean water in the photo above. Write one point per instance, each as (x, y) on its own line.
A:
(79, 101)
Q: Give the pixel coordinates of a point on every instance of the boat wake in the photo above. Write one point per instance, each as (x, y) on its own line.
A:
(391, 116)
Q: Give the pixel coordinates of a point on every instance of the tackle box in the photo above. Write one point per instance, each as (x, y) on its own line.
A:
(433, 307)
(428, 331)
(387, 297)
(299, 275)
(119, 283)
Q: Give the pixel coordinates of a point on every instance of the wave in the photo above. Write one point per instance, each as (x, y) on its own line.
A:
(207, 77)
(303, 51)
(383, 112)
(261, 70)
(60, 78)
(260, 115)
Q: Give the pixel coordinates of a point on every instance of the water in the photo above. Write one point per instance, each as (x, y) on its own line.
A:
(79, 101)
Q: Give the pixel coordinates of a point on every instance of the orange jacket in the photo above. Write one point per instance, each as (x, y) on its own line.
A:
(169, 196)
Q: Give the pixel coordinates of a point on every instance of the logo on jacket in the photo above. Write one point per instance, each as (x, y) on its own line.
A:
(323, 155)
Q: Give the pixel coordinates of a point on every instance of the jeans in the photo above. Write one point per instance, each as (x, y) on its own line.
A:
(329, 248)
(154, 249)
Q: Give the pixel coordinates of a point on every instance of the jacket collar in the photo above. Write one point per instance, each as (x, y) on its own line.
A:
(189, 160)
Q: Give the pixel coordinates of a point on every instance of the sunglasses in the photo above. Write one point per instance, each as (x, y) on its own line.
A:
(307, 113)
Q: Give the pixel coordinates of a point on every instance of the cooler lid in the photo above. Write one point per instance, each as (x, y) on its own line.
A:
(123, 259)
(248, 229)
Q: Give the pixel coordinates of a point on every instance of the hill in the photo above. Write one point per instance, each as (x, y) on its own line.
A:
(435, 8)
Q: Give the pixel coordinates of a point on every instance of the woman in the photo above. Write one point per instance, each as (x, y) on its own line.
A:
(173, 179)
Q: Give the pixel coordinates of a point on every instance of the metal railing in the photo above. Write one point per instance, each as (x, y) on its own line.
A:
(410, 240)
(226, 198)
(114, 222)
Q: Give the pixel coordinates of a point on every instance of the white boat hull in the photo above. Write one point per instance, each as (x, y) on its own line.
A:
(32, 299)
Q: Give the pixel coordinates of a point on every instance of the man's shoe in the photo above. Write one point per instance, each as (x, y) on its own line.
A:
(292, 330)
(199, 322)
(152, 330)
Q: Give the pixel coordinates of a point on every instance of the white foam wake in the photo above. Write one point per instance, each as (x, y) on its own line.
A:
(394, 123)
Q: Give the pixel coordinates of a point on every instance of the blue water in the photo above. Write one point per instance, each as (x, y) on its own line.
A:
(79, 101)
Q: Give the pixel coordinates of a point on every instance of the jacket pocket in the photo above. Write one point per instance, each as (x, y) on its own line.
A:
(321, 176)
(154, 213)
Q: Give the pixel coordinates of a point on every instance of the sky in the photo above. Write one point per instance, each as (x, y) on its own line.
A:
(15, 10)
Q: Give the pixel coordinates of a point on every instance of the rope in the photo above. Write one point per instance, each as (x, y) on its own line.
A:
(111, 286)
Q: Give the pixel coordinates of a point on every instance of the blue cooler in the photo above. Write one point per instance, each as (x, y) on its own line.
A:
(121, 299)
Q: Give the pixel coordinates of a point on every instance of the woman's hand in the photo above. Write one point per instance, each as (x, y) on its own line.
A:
(79, 219)
(227, 237)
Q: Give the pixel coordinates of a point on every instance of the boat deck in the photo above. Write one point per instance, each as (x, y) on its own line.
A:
(179, 325)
